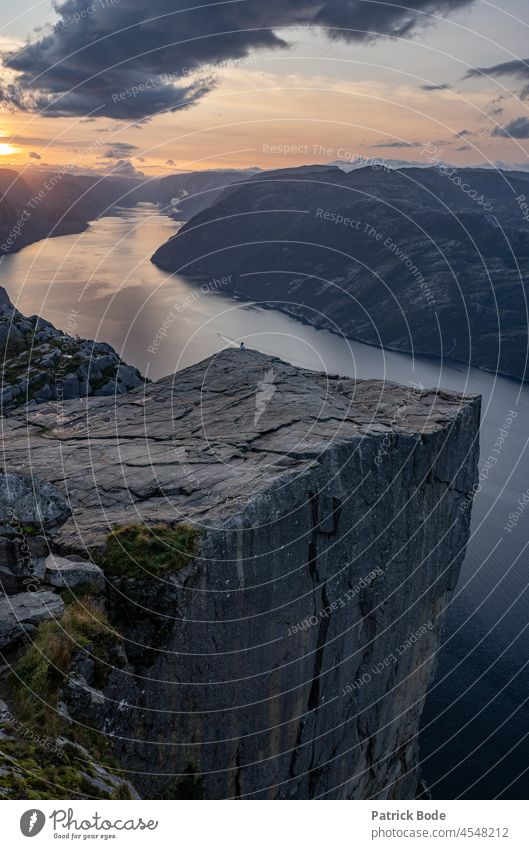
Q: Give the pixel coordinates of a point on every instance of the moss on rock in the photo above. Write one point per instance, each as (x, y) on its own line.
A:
(143, 551)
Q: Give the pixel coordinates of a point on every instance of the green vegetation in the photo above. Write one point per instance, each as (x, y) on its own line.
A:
(30, 770)
(142, 551)
(40, 673)
(32, 765)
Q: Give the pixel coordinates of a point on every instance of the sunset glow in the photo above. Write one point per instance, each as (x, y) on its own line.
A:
(7, 149)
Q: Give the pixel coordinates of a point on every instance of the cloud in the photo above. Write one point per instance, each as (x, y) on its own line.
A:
(129, 60)
(518, 128)
(495, 111)
(119, 150)
(438, 87)
(463, 147)
(124, 168)
(33, 155)
(171, 162)
(516, 68)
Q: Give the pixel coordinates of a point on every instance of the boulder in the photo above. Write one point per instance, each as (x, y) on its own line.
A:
(30, 501)
(63, 572)
(20, 615)
(12, 633)
(22, 561)
(31, 608)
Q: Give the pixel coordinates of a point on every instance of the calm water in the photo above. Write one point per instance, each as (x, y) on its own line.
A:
(473, 741)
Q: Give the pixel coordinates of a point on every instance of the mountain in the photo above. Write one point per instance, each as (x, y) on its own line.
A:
(431, 261)
(40, 363)
(46, 203)
(55, 203)
(241, 586)
(185, 195)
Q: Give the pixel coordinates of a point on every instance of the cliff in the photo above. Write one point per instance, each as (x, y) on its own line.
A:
(421, 260)
(278, 547)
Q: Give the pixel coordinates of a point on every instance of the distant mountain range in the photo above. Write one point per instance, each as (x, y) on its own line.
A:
(54, 203)
(432, 261)
(185, 195)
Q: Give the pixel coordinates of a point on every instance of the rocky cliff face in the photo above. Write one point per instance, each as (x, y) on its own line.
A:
(283, 545)
(40, 363)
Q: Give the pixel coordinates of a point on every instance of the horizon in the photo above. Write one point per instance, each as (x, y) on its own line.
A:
(254, 92)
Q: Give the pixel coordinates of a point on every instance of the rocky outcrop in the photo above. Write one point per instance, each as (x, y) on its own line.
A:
(421, 260)
(40, 363)
(30, 512)
(20, 615)
(284, 545)
(63, 572)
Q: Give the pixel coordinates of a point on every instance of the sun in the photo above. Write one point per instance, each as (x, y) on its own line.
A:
(7, 149)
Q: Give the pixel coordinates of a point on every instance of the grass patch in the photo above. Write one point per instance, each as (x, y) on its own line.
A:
(34, 771)
(141, 551)
(45, 666)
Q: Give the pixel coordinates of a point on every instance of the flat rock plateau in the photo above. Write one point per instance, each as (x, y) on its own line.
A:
(271, 551)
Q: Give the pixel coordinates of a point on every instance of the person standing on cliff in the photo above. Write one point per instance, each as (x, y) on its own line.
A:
(242, 347)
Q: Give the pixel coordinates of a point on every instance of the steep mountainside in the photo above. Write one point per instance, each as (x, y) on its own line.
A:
(54, 203)
(418, 260)
(185, 195)
(263, 617)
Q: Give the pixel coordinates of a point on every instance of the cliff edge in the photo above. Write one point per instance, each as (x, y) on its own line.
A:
(278, 548)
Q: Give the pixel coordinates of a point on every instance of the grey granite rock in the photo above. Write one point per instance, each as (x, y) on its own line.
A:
(291, 657)
(40, 363)
(20, 615)
(62, 572)
(12, 633)
(28, 500)
(31, 608)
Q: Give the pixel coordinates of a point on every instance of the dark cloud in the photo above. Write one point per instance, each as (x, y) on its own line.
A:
(119, 150)
(130, 60)
(495, 111)
(463, 147)
(518, 128)
(171, 162)
(438, 87)
(33, 155)
(518, 69)
(463, 134)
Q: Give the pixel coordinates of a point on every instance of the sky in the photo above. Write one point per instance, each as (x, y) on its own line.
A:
(125, 86)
